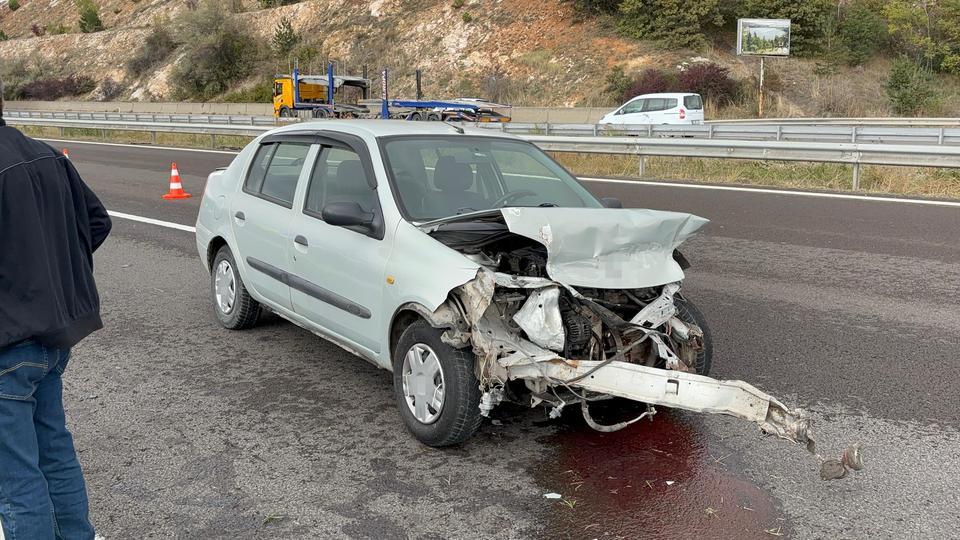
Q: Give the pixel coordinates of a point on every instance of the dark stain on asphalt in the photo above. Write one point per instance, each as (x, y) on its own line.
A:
(658, 479)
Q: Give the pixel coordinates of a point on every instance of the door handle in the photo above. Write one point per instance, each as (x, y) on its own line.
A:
(302, 240)
(240, 215)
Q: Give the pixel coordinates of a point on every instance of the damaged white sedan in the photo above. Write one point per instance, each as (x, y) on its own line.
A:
(472, 266)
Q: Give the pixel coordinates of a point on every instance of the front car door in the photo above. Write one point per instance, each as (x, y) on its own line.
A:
(261, 213)
(632, 113)
(338, 273)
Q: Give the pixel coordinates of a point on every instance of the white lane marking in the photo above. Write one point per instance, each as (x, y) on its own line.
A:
(775, 191)
(143, 146)
(151, 221)
(768, 191)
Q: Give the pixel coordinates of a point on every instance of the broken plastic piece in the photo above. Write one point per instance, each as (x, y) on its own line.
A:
(552, 496)
(852, 458)
(832, 469)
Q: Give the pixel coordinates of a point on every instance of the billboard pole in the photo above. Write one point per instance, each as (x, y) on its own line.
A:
(760, 96)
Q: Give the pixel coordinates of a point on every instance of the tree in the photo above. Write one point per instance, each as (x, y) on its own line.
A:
(927, 31)
(676, 23)
(217, 52)
(909, 88)
(808, 19)
(284, 38)
(862, 31)
(89, 16)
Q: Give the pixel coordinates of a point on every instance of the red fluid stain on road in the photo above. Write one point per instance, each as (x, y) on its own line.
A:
(651, 480)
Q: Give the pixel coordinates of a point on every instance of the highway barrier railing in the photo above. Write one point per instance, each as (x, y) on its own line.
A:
(855, 154)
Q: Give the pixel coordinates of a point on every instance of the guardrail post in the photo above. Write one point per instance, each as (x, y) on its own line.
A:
(213, 140)
(62, 132)
(940, 139)
(856, 176)
(153, 137)
(779, 132)
(709, 131)
(853, 137)
(546, 130)
(649, 130)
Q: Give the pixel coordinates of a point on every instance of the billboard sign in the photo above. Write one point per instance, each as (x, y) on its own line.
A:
(763, 37)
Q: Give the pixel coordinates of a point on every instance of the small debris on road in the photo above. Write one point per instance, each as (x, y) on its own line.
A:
(552, 496)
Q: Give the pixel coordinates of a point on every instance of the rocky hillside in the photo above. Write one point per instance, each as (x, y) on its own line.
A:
(526, 52)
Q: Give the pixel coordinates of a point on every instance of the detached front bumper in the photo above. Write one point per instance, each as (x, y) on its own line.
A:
(676, 389)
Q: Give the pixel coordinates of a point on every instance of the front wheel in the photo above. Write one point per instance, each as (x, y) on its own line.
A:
(435, 387)
(235, 308)
(689, 313)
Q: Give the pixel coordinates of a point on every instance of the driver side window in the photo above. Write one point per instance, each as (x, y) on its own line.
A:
(633, 107)
(338, 176)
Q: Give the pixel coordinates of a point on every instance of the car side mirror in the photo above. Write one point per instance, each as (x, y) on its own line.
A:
(346, 214)
(611, 202)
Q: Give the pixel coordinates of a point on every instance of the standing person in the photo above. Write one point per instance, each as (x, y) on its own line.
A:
(50, 225)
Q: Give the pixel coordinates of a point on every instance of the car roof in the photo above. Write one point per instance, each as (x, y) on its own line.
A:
(665, 95)
(389, 128)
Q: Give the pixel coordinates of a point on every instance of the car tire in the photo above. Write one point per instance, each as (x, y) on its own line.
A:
(235, 308)
(687, 312)
(459, 416)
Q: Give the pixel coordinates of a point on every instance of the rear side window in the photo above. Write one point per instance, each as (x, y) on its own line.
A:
(659, 104)
(694, 103)
(275, 170)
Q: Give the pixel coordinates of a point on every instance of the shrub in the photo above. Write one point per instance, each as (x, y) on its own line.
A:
(711, 81)
(89, 17)
(910, 88)
(53, 88)
(13, 5)
(109, 90)
(808, 20)
(617, 83)
(677, 23)
(262, 92)
(217, 52)
(457, 4)
(36, 30)
(597, 7)
(650, 81)
(276, 3)
(56, 29)
(284, 38)
(156, 47)
(3, 36)
(861, 31)
(466, 17)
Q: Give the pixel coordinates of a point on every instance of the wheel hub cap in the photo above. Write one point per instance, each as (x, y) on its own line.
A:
(225, 288)
(423, 384)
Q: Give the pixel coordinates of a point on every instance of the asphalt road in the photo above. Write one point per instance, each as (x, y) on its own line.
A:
(845, 307)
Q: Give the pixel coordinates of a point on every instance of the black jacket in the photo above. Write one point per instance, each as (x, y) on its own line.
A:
(50, 225)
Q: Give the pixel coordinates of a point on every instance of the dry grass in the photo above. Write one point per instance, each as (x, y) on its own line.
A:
(873, 179)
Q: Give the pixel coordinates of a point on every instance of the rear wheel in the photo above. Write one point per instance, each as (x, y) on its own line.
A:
(235, 308)
(435, 387)
(284, 112)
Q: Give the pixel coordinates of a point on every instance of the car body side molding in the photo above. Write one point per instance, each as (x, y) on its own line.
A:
(310, 288)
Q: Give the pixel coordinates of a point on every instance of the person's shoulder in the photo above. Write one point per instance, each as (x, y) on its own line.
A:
(16, 148)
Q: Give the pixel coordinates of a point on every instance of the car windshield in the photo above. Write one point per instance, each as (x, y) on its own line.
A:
(441, 176)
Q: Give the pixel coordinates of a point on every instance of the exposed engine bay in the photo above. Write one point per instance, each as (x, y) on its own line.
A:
(566, 313)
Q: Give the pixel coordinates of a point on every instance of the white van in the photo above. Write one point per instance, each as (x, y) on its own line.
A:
(658, 109)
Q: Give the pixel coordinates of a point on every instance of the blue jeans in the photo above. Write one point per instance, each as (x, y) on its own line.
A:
(42, 493)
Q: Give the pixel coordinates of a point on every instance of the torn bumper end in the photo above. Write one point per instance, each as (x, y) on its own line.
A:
(675, 389)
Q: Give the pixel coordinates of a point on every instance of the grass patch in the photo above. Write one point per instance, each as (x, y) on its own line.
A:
(922, 181)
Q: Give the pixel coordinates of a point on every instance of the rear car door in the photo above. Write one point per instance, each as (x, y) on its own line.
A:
(261, 214)
(338, 273)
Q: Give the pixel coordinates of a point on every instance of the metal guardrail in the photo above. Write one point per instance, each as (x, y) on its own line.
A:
(855, 154)
(152, 117)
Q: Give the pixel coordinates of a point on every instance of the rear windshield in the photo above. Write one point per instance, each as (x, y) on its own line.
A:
(693, 103)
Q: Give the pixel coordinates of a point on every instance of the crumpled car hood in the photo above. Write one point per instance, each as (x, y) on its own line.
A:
(607, 248)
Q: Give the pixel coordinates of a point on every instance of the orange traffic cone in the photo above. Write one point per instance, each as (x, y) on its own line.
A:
(176, 188)
(65, 153)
